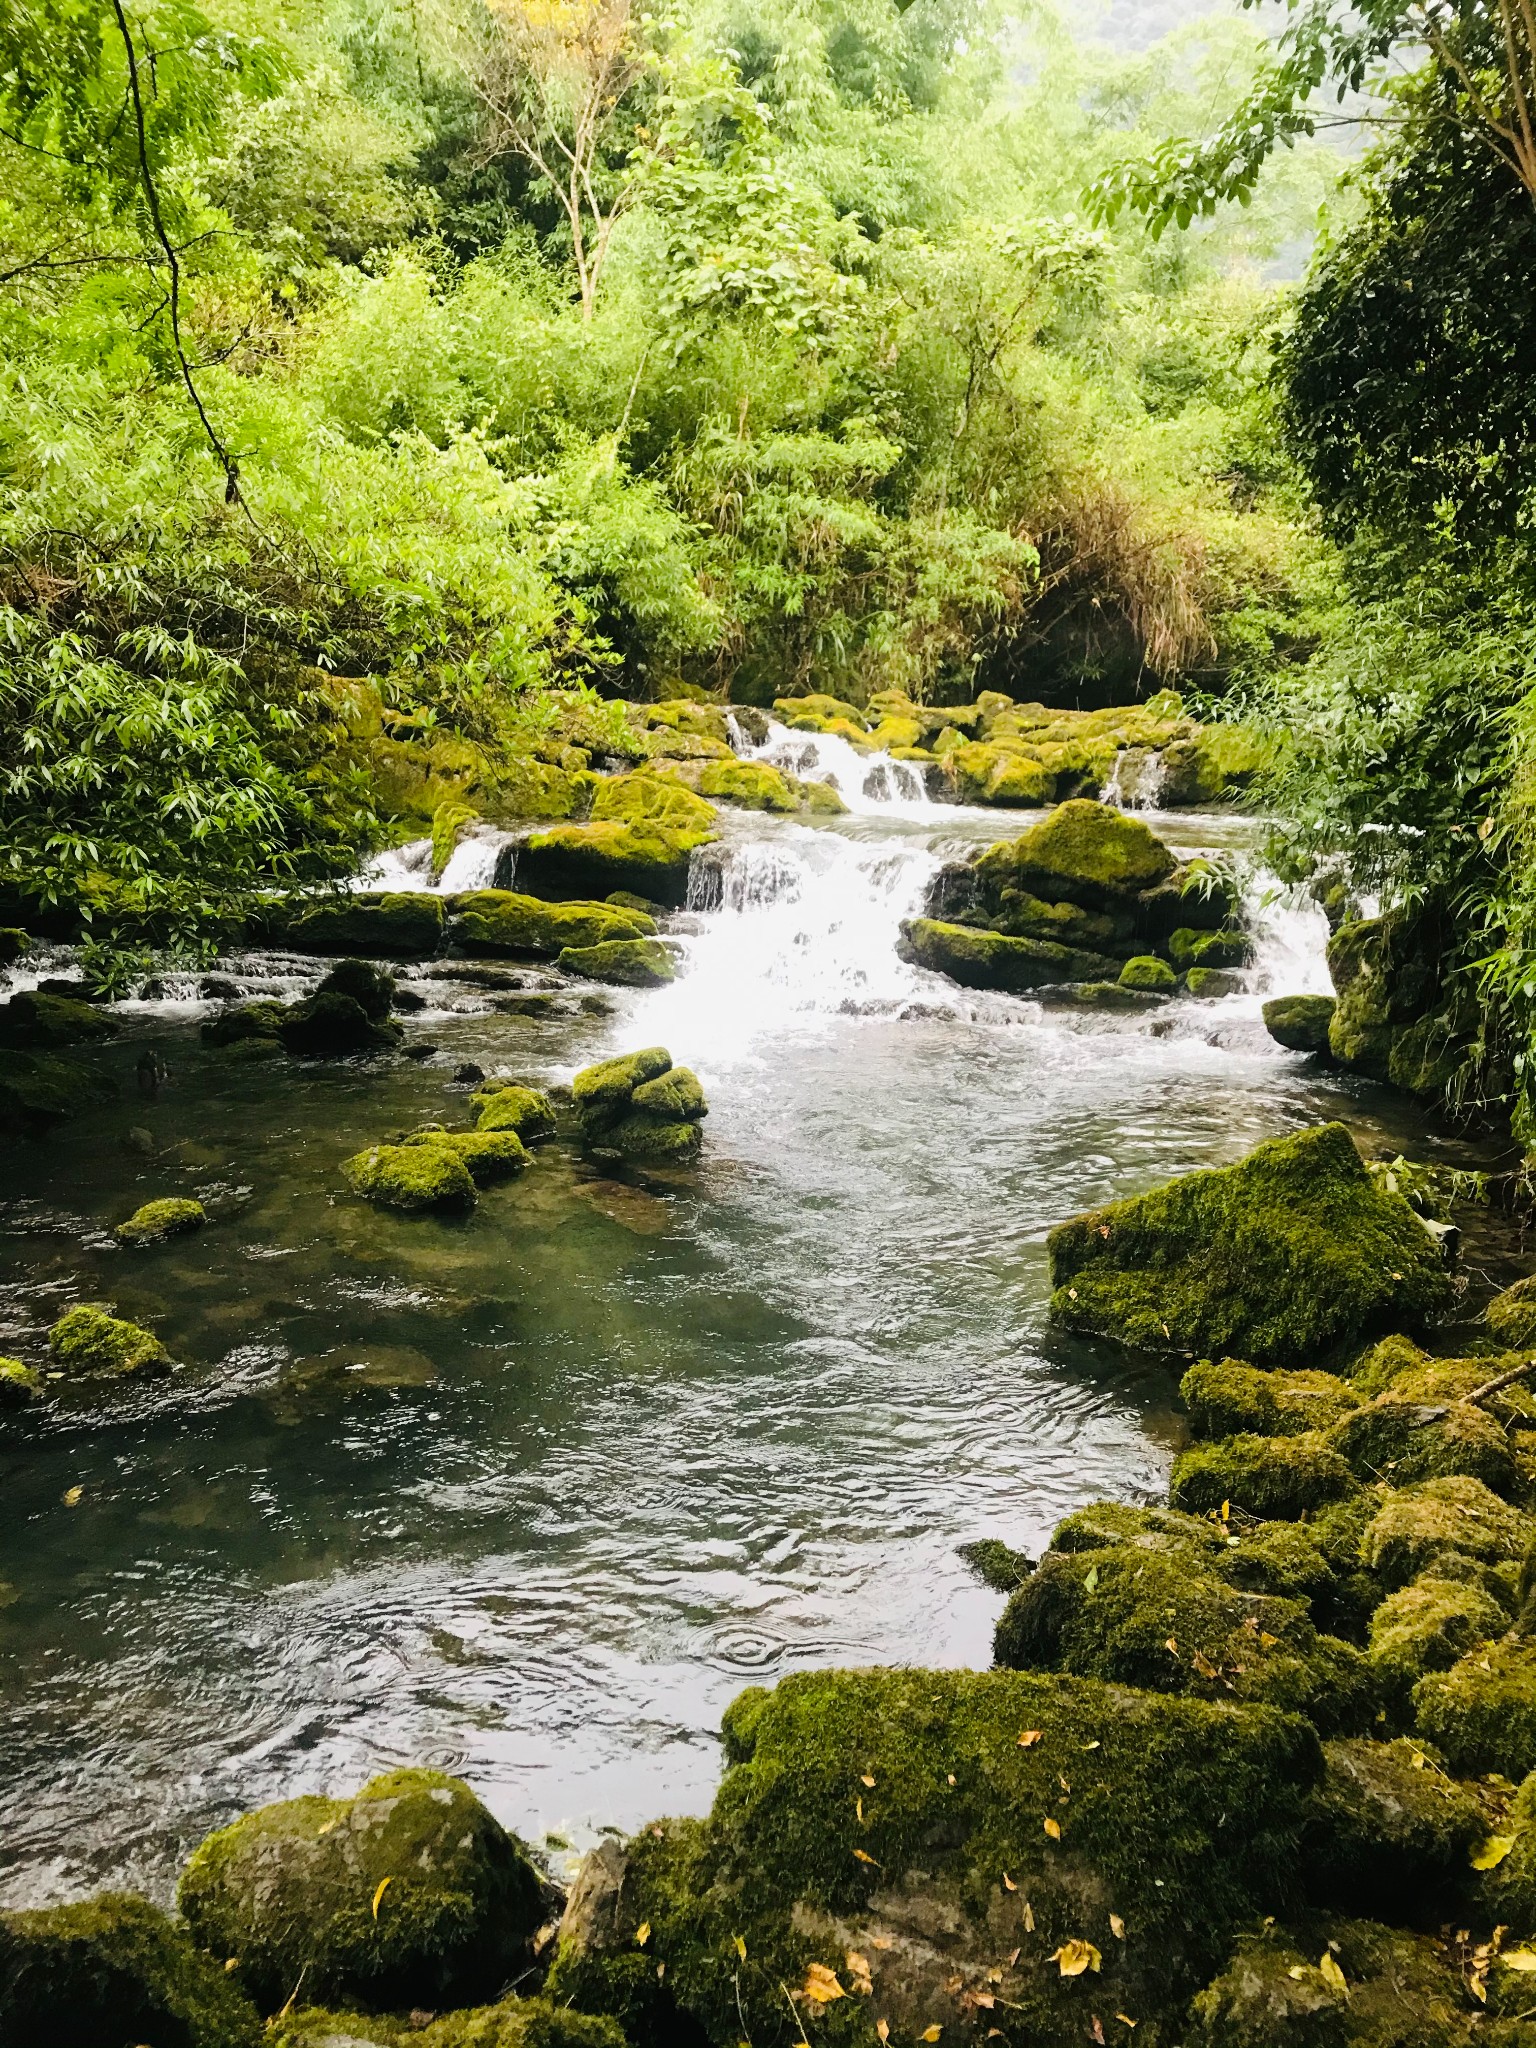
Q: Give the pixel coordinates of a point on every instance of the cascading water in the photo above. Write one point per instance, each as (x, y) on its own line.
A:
(869, 784)
(482, 859)
(1136, 781)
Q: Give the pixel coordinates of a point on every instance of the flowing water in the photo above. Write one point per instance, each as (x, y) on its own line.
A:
(531, 1496)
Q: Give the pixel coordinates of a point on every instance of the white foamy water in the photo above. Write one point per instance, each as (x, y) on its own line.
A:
(473, 864)
(869, 784)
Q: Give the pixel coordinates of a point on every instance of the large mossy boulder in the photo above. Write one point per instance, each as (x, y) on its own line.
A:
(331, 1024)
(641, 1107)
(1284, 1259)
(414, 1178)
(1404, 1440)
(156, 1222)
(1421, 1527)
(1389, 1829)
(408, 1895)
(1085, 852)
(1481, 1714)
(509, 1106)
(503, 924)
(1279, 1478)
(511, 2023)
(1299, 1023)
(385, 925)
(89, 1340)
(115, 1972)
(991, 960)
(1511, 1316)
(1386, 1023)
(597, 858)
(34, 1022)
(491, 1156)
(624, 963)
(933, 1849)
(1227, 1398)
(39, 1092)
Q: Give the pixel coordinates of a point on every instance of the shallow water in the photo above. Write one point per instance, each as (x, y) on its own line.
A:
(532, 1496)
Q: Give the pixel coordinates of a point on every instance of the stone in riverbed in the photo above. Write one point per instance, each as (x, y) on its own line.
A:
(1282, 1259)
(372, 990)
(113, 1970)
(499, 923)
(19, 1384)
(984, 959)
(1299, 1023)
(38, 1091)
(591, 860)
(1209, 984)
(509, 1107)
(1146, 971)
(1278, 1478)
(1087, 853)
(641, 1106)
(89, 1339)
(601, 1093)
(392, 925)
(35, 1022)
(408, 1895)
(1188, 948)
(626, 963)
(154, 1222)
(331, 1025)
(414, 1178)
(1512, 1315)
(490, 1155)
(1228, 1398)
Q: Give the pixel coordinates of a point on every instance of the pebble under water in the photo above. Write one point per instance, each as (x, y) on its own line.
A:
(531, 1496)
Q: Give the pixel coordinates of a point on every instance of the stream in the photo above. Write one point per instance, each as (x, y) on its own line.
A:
(530, 1497)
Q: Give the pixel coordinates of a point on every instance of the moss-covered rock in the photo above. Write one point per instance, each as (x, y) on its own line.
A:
(513, 2023)
(592, 859)
(1198, 896)
(490, 1155)
(1389, 1828)
(996, 1563)
(1211, 984)
(677, 1096)
(627, 963)
(891, 1830)
(112, 1971)
(1228, 1398)
(19, 1383)
(983, 959)
(409, 1894)
(1512, 1315)
(414, 1178)
(389, 925)
(1299, 1023)
(14, 942)
(511, 1107)
(1429, 1626)
(1112, 1524)
(1281, 1259)
(89, 1339)
(1481, 1714)
(1403, 1440)
(1335, 1984)
(1507, 1891)
(1019, 915)
(602, 1093)
(1282, 1477)
(34, 1022)
(38, 1092)
(643, 1138)
(1146, 971)
(753, 784)
(822, 799)
(154, 1222)
(504, 925)
(1188, 948)
(1419, 1526)
(370, 988)
(1157, 1621)
(245, 1023)
(1088, 853)
(1006, 774)
(331, 1025)
(1290, 1559)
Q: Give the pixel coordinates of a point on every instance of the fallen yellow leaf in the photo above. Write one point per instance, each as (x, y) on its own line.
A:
(858, 1807)
(858, 1970)
(75, 1495)
(864, 1857)
(1519, 1959)
(1126, 2021)
(1029, 1738)
(1029, 1927)
(821, 1984)
(1074, 1957)
(1053, 1828)
(1493, 1852)
(384, 1885)
(642, 1934)
(883, 2029)
(867, 1782)
(1008, 1883)
(741, 1948)
(881, 1941)
(930, 2034)
(1331, 1974)
(1117, 1926)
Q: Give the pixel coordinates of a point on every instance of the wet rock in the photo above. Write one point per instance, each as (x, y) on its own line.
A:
(408, 1895)
(507, 1106)
(115, 1970)
(753, 784)
(1019, 915)
(370, 988)
(414, 1178)
(218, 988)
(1387, 1024)
(996, 1564)
(391, 925)
(1110, 1524)
(602, 1093)
(19, 1384)
(1189, 948)
(1419, 1527)
(1196, 897)
(88, 1339)
(501, 923)
(641, 1107)
(421, 1053)
(590, 860)
(154, 1222)
(490, 1155)
(1087, 853)
(38, 1092)
(1003, 773)
(1299, 1023)
(1272, 1477)
(621, 899)
(467, 1074)
(1228, 1398)
(1099, 995)
(985, 959)
(14, 942)
(1280, 1260)
(1146, 971)
(627, 963)
(1210, 984)
(331, 1025)
(883, 1830)
(251, 1021)
(35, 1022)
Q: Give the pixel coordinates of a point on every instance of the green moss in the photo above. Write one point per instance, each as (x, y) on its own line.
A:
(1385, 1363)
(396, 925)
(822, 799)
(1143, 1619)
(90, 1339)
(513, 1108)
(1420, 1525)
(642, 799)
(414, 1178)
(676, 1096)
(1101, 995)
(1507, 1892)
(19, 1384)
(331, 1025)
(370, 988)
(602, 1093)
(1210, 984)
(38, 1092)
(1188, 948)
(514, 2023)
(644, 1138)
(982, 959)
(1403, 1440)
(1018, 915)
(114, 1970)
(1287, 1559)
(1429, 1626)
(1282, 1259)
(1512, 1315)
(249, 1021)
(1088, 852)
(628, 963)
(995, 1564)
(34, 1022)
(1299, 1023)
(1231, 1399)
(750, 783)
(1284, 1477)
(292, 1892)
(1146, 971)
(171, 1216)
(1389, 1829)
(1181, 1820)
(1481, 1714)
(818, 705)
(1392, 1990)
(489, 1155)
(592, 859)
(14, 942)
(502, 924)
(1002, 774)
(1110, 1524)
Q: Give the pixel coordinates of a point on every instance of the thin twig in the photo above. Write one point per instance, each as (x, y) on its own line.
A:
(1505, 1379)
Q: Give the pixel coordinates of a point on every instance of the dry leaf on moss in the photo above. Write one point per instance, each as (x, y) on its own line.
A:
(1074, 1957)
(821, 1984)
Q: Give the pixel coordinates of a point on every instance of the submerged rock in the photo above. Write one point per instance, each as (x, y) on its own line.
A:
(408, 1895)
(110, 1971)
(627, 963)
(892, 1838)
(89, 1339)
(154, 1222)
(1299, 1023)
(332, 1025)
(414, 1178)
(38, 1092)
(1282, 1259)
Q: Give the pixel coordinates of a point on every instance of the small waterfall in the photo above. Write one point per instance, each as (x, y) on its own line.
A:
(869, 784)
(483, 859)
(1290, 939)
(1136, 780)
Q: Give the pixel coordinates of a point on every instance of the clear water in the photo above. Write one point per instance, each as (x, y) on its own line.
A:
(533, 1495)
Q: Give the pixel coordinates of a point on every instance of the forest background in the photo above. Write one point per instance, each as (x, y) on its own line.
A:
(511, 356)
